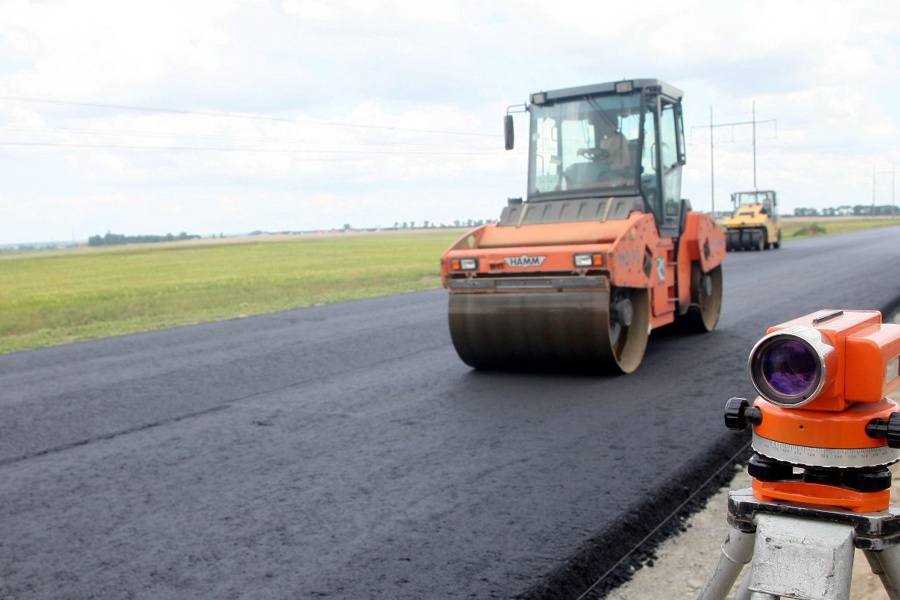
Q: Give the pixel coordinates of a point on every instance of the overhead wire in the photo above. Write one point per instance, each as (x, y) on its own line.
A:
(229, 115)
(220, 149)
(200, 136)
(324, 147)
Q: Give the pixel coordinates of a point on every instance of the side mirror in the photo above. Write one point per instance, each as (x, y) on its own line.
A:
(509, 134)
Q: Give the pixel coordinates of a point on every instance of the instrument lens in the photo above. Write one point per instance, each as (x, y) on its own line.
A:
(790, 368)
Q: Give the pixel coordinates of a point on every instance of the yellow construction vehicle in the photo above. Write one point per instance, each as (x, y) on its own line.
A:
(603, 249)
(755, 223)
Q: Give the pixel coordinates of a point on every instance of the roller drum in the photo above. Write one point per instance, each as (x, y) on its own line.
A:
(595, 330)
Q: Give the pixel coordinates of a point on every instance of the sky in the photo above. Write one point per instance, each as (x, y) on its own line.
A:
(228, 116)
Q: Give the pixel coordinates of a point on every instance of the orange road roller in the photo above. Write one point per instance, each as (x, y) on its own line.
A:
(601, 251)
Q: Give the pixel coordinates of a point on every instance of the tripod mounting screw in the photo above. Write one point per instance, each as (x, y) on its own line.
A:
(739, 414)
(886, 428)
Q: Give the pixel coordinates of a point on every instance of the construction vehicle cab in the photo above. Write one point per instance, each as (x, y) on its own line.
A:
(616, 139)
(602, 250)
(755, 223)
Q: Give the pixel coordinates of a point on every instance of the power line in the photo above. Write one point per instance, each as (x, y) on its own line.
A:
(203, 136)
(268, 150)
(239, 116)
(733, 124)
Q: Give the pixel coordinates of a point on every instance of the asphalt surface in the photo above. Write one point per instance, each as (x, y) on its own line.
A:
(345, 452)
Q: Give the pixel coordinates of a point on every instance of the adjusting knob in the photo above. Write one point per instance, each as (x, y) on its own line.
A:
(739, 414)
(886, 428)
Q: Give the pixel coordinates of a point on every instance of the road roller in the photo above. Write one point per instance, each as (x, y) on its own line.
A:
(600, 252)
(755, 223)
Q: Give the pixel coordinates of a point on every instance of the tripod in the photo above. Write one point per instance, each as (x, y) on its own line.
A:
(802, 551)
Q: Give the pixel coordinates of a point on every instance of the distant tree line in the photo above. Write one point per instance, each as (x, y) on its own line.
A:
(116, 239)
(860, 210)
(432, 225)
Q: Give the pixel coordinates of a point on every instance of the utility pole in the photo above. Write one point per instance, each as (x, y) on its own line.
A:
(712, 125)
(873, 187)
(874, 173)
(754, 147)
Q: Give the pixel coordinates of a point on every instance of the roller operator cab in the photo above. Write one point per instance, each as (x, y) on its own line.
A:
(755, 223)
(603, 249)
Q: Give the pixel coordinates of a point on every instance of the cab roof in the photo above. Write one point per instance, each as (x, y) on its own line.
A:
(613, 87)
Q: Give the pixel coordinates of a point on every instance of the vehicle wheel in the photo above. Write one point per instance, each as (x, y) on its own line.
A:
(706, 300)
(777, 243)
(733, 241)
(627, 331)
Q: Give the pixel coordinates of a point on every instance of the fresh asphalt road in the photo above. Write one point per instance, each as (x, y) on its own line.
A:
(345, 452)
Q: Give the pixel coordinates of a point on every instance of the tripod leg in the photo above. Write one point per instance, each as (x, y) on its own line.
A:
(886, 564)
(737, 550)
(743, 591)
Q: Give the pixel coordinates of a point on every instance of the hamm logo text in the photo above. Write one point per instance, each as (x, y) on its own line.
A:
(525, 261)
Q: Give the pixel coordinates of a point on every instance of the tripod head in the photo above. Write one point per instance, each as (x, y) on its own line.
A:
(823, 430)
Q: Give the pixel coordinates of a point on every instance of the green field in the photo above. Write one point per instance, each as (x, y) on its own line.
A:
(49, 298)
(56, 297)
(792, 228)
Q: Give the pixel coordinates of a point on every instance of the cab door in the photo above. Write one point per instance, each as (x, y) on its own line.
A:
(671, 151)
(662, 159)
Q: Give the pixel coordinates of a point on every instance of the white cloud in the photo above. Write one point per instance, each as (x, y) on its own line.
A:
(445, 12)
(311, 9)
(340, 103)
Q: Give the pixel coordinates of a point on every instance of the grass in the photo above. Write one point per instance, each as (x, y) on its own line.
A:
(67, 296)
(58, 297)
(810, 230)
(793, 228)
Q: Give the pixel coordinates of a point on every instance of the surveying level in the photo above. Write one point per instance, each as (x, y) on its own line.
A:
(824, 435)
(822, 381)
